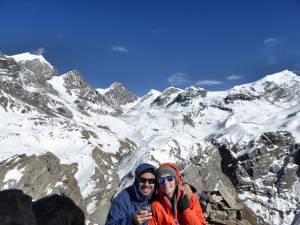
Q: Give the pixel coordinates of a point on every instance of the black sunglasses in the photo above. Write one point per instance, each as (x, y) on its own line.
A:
(143, 180)
(162, 180)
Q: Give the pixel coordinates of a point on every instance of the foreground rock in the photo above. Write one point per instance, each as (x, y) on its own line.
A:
(16, 208)
(57, 210)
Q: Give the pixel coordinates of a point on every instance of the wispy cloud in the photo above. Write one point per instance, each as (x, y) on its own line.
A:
(178, 78)
(271, 42)
(208, 82)
(271, 50)
(119, 49)
(234, 77)
(39, 51)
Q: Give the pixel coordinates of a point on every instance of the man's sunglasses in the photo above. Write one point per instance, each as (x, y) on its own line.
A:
(162, 180)
(143, 180)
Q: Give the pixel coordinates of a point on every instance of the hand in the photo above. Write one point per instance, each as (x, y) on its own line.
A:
(141, 216)
(183, 203)
(186, 190)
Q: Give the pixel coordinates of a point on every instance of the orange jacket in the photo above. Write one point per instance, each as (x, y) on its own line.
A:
(163, 212)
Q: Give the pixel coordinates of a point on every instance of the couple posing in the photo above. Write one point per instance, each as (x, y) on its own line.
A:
(170, 203)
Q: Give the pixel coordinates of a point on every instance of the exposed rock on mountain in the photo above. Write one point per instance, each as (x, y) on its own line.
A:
(277, 88)
(117, 94)
(265, 175)
(24, 172)
(85, 96)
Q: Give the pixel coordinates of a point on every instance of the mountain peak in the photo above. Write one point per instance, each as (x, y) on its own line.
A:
(117, 85)
(280, 77)
(29, 57)
(118, 94)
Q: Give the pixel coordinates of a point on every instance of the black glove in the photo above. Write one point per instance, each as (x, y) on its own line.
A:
(183, 203)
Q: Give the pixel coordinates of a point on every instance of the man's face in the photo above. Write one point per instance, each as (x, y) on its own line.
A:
(146, 183)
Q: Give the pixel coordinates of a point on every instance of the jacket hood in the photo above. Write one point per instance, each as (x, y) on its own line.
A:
(144, 167)
(175, 167)
(134, 189)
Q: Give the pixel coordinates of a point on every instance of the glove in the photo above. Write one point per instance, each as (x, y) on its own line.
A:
(183, 203)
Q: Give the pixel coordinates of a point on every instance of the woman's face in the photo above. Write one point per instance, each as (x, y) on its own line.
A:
(167, 184)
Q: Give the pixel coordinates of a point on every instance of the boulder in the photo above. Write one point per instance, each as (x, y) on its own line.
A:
(16, 208)
(57, 210)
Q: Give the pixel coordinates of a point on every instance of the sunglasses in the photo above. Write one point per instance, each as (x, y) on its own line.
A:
(143, 180)
(162, 180)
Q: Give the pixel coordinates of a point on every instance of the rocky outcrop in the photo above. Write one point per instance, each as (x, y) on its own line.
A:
(265, 174)
(40, 176)
(165, 96)
(58, 210)
(118, 95)
(87, 97)
(20, 85)
(282, 87)
(16, 208)
(184, 98)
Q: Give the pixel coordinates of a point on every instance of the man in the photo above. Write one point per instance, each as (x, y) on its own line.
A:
(126, 208)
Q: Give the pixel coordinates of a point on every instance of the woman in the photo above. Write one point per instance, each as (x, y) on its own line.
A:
(171, 206)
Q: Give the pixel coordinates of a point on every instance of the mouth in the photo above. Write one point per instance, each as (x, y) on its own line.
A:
(146, 188)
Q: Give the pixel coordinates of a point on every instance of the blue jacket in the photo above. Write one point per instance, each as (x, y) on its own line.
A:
(128, 201)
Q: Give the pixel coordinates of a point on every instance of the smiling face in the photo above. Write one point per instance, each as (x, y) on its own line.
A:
(167, 183)
(146, 183)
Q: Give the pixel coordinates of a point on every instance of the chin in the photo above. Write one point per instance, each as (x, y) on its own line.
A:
(146, 194)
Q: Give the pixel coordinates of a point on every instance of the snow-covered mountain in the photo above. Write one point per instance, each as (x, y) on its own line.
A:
(59, 135)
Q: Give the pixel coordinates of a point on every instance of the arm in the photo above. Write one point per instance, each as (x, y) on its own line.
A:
(118, 214)
(193, 215)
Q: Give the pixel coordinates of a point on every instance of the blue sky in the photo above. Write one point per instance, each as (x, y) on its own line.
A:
(154, 44)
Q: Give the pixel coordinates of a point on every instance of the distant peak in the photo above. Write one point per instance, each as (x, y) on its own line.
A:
(116, 85)
(172, 89)
(153, 92)
(29, 57)
(280, 77)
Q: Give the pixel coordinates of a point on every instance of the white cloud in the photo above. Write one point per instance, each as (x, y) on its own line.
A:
(39, 51)
(234, 77)
(119, 49)
(208, 82)
(271, 42)
(178, 78)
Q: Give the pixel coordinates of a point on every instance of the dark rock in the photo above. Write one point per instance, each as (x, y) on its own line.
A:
(187, 95)
(119, 95)
(57, 210)
(16, 208)
(165, 96)
(230, 98)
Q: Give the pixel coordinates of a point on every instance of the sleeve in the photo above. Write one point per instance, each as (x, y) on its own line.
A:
(155, 214)
(118, 213)
(194, 214)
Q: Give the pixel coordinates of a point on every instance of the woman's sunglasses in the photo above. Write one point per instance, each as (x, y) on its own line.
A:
(143, 180)
(162, 180)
